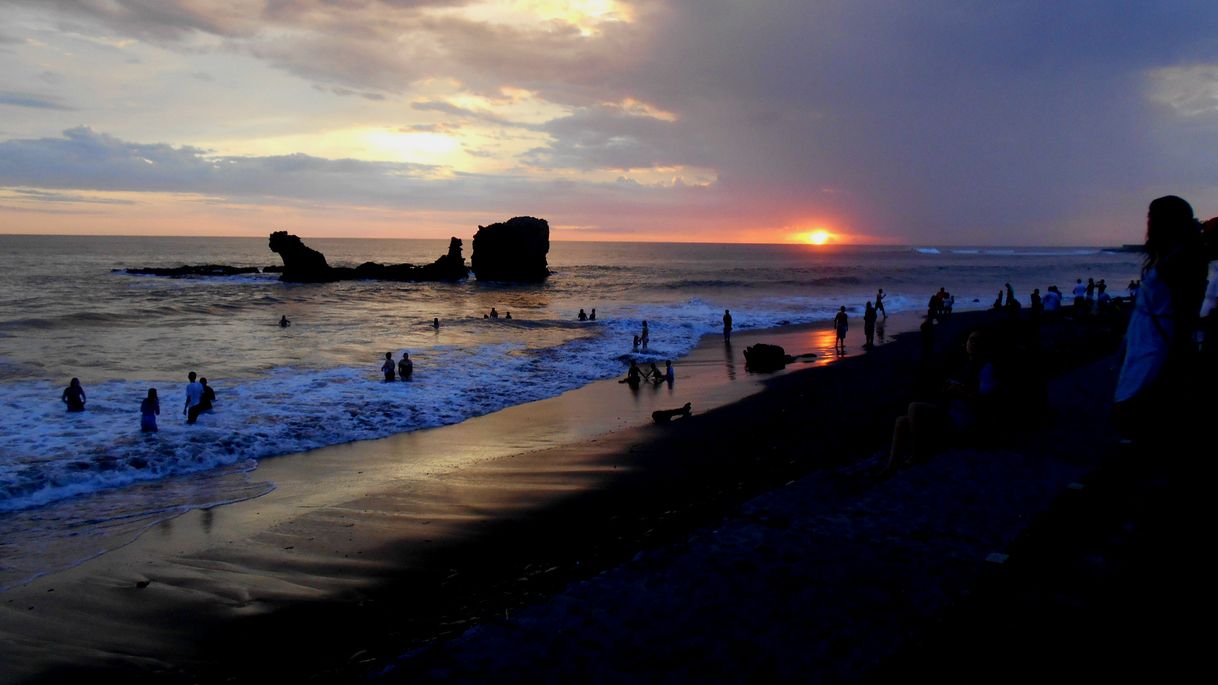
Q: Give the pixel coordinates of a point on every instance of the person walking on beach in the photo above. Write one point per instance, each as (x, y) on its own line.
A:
(582, 315)
(74, 396)
(387, 367)
(869, 326)
(283, 321)
(727, 325)
(150, 407)
(405, 367)
(879, 303)
(194, 395)
(840, 324)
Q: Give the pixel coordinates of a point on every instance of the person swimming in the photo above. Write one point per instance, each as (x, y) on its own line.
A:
(283, 322)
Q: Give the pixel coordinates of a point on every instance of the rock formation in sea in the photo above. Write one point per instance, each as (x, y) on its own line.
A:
(514, 250)
(192, 270)
(303, 264)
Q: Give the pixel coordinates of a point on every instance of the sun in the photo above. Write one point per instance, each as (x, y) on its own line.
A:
(817, 237)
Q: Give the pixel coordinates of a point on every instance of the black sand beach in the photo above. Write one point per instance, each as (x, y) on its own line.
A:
(748, 543)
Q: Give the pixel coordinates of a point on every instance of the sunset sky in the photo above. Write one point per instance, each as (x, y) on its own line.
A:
(923, 122)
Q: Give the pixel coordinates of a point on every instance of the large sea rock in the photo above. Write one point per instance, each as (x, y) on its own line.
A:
(514, 250)
(303, 264)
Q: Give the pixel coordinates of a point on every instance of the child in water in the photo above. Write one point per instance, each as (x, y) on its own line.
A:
(149, 409)
(387, 367)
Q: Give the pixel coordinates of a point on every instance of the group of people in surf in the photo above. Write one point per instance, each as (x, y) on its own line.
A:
(583, 316)
(200, 398)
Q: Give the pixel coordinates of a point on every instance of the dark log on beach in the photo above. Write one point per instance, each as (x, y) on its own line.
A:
(514, 250)
(302, 264)
(195, 270)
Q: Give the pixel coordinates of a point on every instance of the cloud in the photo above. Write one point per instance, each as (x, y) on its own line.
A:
(31, 101)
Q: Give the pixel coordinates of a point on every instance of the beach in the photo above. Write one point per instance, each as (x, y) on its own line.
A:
(338, 573)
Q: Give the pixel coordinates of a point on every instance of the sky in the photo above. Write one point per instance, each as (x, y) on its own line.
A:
(925, 123)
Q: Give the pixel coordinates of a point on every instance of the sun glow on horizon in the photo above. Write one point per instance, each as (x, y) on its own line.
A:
(816, 237)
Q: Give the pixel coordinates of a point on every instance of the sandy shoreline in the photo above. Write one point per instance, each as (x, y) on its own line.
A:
(352, 516)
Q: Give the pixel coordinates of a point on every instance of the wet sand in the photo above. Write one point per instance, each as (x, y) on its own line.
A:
(376, 547)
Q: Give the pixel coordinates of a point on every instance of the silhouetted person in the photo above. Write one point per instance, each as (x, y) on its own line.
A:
(879, 303)
(283, 321)
(644, 337)
(636, 343)
(669, 374)
(1090, 290)
(435, 323)
(1053, 299)
(840, 323)
(727, 325)
(633, 375)
(943, 296)
(1012, 303)
(998, 302)
(869, 325)
(150, 408)
(592, 316)
(654, 375)
(387, 367)
(1035, 303)
(208, 401)
(1080, 296)
(74, 396)
(509, 315)
(494, 314)
(582, 315)
(194, 395)
(405, 367)
(1156, 391)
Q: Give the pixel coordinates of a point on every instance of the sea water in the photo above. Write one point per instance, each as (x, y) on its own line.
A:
(66, 312)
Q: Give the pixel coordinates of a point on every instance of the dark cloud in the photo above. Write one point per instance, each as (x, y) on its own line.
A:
(32, 101)
(606, 137)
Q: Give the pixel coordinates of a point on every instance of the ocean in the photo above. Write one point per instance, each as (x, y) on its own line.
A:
(65, 312)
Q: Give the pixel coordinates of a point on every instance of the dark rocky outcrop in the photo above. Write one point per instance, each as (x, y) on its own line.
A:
(302, 264)
(762, 357)
(514, 250)
(195, 270)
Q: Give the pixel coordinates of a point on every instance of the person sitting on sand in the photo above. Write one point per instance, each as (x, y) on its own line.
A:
(387, 367)
(969, 406)
(592, 316)
(654, 375)
(582, 316)
(150, 407)
(405, 367)
(283, 321)
(840, 324)
(633, 375)
(74, 396)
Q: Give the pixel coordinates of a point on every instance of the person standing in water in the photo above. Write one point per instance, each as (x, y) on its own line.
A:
(208, 401)
(645, 337)
(840, 324)
(74, 396)
(435, 323)
(582, 315)
(879, 303)
(405, 367)
(869, 325)
(194, 396)
(283, 321)
(150, 407)
(387, 367)
(592, 316)
(727, 325)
